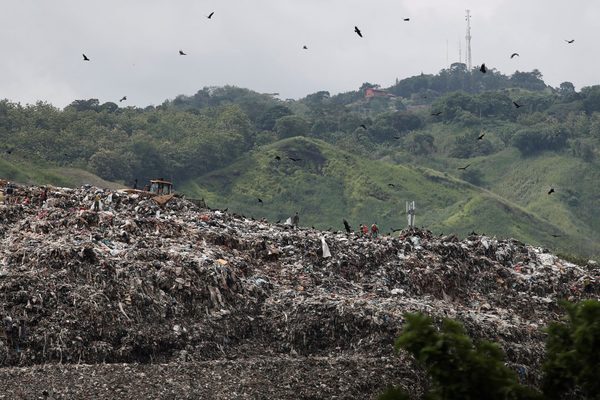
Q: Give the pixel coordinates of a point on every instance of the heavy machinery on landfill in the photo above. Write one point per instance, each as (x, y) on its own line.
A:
(159, 190)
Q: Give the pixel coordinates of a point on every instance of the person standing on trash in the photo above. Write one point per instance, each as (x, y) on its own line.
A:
(365, 230)
(8, 192)
(96, 203)
(374, 231)
(296, 220)
(43, 196)
(347, 227)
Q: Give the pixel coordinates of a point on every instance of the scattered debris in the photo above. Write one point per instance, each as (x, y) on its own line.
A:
(138, 282)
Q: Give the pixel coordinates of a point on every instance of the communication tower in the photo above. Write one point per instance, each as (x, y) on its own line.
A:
(468, 37)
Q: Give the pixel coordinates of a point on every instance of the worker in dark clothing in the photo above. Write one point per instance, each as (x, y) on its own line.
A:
(347, 227)
(296, 220)
(43, 196)
(8, 192)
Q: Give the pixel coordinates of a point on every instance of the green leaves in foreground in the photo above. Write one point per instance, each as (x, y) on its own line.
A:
(458, 368)
(573, 353)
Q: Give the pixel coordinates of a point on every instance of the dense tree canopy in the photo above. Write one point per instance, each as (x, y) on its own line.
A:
(192, 135)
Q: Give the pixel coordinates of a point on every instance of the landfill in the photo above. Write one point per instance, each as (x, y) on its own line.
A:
(110, 294)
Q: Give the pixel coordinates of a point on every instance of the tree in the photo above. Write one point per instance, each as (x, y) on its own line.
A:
(452, 105)
(290, 126)
(573, 353)
(267, 120)
(85, 105)
(528, 80)
(540, 137)
(591, 98)
(468, 145)
(323, 126)
(109, 107)
(458, 368)
(111, 165)
(566, 90)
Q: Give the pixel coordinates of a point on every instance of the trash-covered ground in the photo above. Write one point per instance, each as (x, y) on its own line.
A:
(179, 301)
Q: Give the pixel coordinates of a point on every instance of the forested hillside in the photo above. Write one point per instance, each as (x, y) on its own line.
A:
(476, 151)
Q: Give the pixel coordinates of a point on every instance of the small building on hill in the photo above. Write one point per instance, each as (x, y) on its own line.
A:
(373, 92)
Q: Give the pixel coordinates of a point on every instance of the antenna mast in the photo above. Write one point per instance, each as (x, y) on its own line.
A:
(468, 37)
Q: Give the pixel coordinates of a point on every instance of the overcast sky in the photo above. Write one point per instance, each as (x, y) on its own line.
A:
(133, 44)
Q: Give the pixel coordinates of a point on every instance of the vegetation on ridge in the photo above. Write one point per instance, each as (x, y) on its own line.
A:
(220, 143)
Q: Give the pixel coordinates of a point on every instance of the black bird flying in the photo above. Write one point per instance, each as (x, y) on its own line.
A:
(551, 191)
(436, 114)
(363, 126)
(304, 47)
(513, 55)
(406, 19)
(465, 167)
(181, 53)
(358, 32)
(209, 16)
(295, 159)
(570, 41)
(123, 99)
(516, 105)
(481, 136)
(278, 158)
(85, 58)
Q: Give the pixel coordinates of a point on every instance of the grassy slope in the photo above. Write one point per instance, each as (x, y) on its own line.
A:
(29, 173)
(329, 185)
(526, 180)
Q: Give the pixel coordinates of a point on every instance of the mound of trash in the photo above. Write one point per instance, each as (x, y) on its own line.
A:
(91, 277)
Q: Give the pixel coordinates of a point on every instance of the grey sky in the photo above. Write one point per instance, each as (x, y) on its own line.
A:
(133, 44)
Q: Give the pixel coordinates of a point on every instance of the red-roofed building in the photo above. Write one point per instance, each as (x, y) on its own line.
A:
(373, 92)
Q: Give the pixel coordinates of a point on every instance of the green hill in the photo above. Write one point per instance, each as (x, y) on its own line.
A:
(220, 144)
(40, 174)
(328, 185)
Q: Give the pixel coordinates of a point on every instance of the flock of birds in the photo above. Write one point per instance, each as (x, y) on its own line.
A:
(482, 69)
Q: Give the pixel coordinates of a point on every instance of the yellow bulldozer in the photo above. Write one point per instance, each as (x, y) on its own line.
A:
(159, 190)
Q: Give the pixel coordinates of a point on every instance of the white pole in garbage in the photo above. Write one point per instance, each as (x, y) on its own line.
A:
(326, 252)
(410, 213)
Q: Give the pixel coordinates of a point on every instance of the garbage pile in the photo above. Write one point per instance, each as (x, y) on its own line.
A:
(90, 276)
